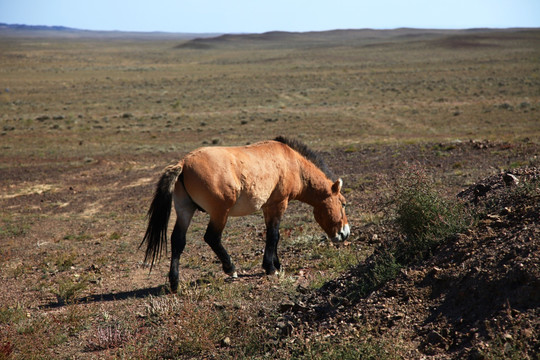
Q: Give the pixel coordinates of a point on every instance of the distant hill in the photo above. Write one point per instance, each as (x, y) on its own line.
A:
(272, 39)
(23, 27)
(21, 30)
(359, 37)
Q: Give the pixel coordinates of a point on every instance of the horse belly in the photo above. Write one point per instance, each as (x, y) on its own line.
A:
(246, 205)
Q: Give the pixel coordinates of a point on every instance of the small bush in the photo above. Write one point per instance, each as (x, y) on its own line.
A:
(64, 261)
(423, 216)
(69, 289)
(424, 219)
(383, 270)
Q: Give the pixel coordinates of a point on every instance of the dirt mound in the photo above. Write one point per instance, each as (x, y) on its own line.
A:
(476, 297)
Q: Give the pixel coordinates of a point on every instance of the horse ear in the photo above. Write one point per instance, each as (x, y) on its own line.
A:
(336, 187)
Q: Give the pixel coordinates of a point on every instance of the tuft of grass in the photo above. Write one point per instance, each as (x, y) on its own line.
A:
(200, 330)
(13, 228)
(163, 306)
(108, 337)
(379, 269)
(68, 289)
(78, 237)
(363, 347)
(332, 261)
(64, 261)
(115, 236)
(12, 314)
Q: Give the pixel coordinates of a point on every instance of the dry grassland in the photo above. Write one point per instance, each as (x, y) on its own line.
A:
(87, 124)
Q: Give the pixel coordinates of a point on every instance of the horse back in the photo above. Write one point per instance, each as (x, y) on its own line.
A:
(241, 180)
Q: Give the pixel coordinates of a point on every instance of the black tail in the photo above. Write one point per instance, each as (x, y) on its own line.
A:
(159, 214)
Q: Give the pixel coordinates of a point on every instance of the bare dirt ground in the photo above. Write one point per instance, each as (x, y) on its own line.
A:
(87, 125)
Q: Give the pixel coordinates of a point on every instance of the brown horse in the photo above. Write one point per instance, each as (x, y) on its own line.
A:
(237, 181)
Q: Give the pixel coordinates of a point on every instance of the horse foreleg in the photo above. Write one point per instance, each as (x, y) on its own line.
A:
(271, 261)
(213, 238)
(272, 218)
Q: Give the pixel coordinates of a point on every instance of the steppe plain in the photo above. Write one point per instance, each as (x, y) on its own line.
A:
(88, 121)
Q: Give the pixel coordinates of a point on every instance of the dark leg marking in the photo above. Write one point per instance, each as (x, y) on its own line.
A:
(213, 238)
(270, 260)
(178, 243)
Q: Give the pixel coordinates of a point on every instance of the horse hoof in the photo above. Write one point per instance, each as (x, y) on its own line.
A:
(234, 275)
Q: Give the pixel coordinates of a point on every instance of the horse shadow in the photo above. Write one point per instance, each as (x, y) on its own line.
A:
(159, 290)
(112, 296)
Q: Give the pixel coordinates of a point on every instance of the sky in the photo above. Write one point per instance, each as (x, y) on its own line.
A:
(257, 16)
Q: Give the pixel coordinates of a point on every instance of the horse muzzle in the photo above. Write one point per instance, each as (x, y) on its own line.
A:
(343, 234)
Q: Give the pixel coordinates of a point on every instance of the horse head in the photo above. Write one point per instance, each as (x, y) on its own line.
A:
(330, 214)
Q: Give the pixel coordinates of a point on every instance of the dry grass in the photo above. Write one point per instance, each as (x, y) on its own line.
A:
(86, 125)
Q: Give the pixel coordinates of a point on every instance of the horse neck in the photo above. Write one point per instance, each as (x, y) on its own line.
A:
(315, 186)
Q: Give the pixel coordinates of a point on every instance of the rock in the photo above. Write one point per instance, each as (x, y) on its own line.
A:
(507, 337)
(285, 328)
(476, 354)
(219, 306)
(510, 179)
(286, 306)
(226, 342)
(435, 338)
(94, 268)
(481, 190)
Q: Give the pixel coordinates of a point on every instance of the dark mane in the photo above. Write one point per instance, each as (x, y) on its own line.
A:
(309, 154)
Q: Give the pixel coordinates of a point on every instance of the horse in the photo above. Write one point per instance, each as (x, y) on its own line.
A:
(238, 181)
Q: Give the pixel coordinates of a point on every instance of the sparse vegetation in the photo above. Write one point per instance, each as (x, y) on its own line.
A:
(88, 124)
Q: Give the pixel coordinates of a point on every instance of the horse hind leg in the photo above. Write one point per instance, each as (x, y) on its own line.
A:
(185, 209)
(213, 238)
(178, 243)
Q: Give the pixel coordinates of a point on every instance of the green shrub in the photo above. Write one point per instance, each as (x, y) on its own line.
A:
(68, 289)
(423, 216)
